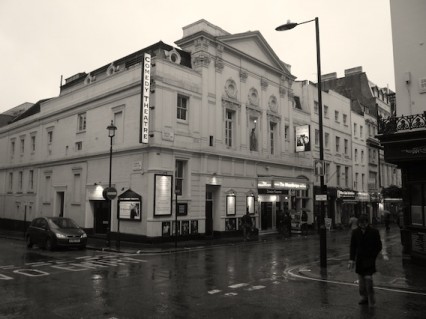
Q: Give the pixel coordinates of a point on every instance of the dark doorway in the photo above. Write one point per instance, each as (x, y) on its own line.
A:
(266, 215)
(209, 214)
(101, 210)
(61, 203)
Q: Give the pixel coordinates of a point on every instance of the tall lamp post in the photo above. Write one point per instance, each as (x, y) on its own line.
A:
(323, 239)
(111, 133)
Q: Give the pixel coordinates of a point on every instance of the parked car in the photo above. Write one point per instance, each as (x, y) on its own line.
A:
(52, 232)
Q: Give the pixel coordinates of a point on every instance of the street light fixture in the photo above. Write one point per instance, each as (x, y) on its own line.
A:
(323, 239)
(111, 133)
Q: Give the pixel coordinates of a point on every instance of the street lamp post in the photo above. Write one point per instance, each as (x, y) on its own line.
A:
(111, 133)
(323, 239)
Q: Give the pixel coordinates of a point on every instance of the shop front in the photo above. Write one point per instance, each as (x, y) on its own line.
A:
(277, 196)
(346, 203)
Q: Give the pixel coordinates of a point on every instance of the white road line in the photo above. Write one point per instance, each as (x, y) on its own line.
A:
(255, 288)
(214, 291)
(238, 285)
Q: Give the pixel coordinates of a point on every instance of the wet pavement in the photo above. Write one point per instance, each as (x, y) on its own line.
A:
(395, 272)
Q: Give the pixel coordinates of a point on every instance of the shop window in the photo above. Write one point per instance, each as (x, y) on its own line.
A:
(417, 208)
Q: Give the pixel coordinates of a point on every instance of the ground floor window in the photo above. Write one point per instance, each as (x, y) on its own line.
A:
(418, 204)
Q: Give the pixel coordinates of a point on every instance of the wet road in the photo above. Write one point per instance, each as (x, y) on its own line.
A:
(238, 281)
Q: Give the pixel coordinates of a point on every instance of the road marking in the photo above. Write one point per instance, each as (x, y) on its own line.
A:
(214, 291)
(238, 285)
(255, 288)
(231, 294)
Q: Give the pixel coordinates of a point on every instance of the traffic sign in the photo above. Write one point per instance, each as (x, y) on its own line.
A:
(321, 198)
(319, 167)
(109, 193)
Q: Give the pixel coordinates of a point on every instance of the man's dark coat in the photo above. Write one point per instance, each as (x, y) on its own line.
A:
(364, 250)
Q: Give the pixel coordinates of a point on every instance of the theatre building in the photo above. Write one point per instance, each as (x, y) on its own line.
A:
(205, 129)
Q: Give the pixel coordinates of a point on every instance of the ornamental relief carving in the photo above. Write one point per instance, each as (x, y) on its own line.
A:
(253, 97)
(231, 105)
(231, 88)
(201, 60)
(264, 83)
(218, 64)
(273, 104)
(243, 76)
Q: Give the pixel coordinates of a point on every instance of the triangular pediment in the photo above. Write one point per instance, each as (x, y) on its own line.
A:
(254, 44)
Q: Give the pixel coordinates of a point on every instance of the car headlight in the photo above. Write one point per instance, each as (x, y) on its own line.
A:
(58, 235)
(84, 235)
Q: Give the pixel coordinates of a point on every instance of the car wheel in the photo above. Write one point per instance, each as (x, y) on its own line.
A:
(48, 244)
(29, 242)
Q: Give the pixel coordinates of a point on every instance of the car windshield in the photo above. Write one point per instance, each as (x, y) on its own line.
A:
(64, 223)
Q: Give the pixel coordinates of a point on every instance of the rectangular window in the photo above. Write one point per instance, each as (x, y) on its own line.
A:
(287, 133)
(316, 137)
(325, 111)
(33, 143)
(327, 172)
(81, 126)
(347, 176)
(12, 148)
(31, 180)
(47, 189)
(355, 130)
(346, 143)
(20, 181)
(118, 122)
(182, 107)
(356, 155)
(337, 144)
(345, 119)
(362, 156)
(361, 129)
(10, 182)
(180, 175)
(336, 116)
(49, 137)
(78, 146)
(229, 126)
(338, 175)
(316, 107)
(326, 140)
(356, 181)
(362, 181)
(22, 145)
(272, 128)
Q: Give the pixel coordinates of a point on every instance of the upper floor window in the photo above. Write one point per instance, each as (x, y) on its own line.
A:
(229, 128)
(180, 175)
(362, 156)
(49, 137)
(31, 180)
(355, 129)
(81, 122)
(347, 176)
(337, 144)
(182, 107)
(22, 145)
(361, 133)
(10, 182)
(287, 133)
(356, 155)
(325, 111)
(33, 143)
(326, 140)
(316, 107)
(345, 119)
(346, 143)
(12, 148)
(336, 116)
(20, 180)
(272, 133)
(338, 175)
(316, 137)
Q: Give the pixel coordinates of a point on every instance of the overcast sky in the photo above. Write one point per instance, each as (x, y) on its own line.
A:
(40, 40)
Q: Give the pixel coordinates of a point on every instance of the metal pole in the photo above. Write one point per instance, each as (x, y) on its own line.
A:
(176, 225)
(323, 238)
(109, 201)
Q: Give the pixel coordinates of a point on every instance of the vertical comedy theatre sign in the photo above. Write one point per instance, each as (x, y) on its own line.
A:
(146, 77)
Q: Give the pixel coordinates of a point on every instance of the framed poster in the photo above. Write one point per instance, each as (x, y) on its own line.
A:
(163, 195)
(194, 226)
(250, 204)
(182, 209)
(230, 205)
(303, 141)
(129, 206)
(165, 229)
(185, 227)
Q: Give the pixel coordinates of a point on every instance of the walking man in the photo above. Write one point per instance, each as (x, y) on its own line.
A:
(364, 248)
(247, 225)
